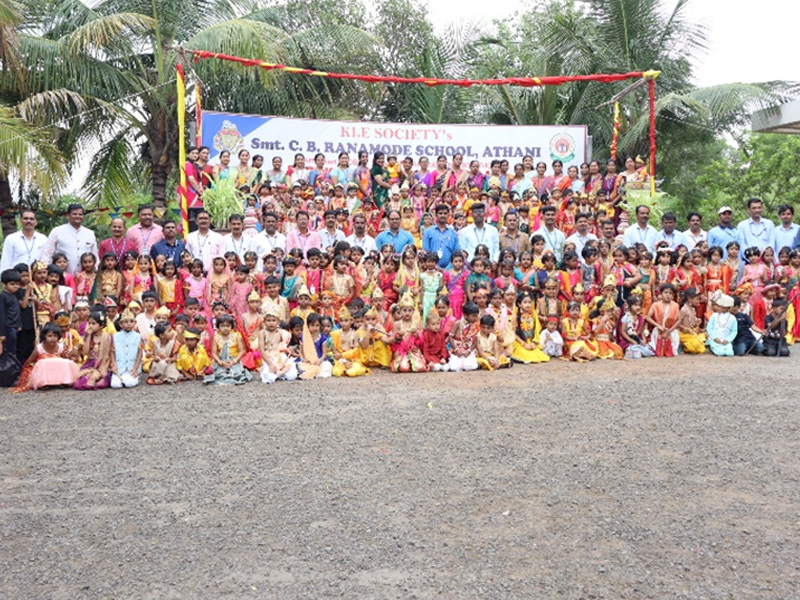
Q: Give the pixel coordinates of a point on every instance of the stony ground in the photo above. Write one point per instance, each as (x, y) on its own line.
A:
(649, 479)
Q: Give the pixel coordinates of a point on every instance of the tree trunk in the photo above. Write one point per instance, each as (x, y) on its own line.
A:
(7, 217)
(160, 173)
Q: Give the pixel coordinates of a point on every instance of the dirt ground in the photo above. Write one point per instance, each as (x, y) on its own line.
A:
(659, 478)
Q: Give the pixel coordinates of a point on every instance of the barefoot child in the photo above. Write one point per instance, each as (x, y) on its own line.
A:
(127, 353)
(722, 327)
(192, 357)
(434, 344)
(663, 317)
(227, 350)
(463, 340)
(693, 340)
(527, 331)
(550, 339)
(487, 347)
(631, 330)
(162, 349)
(276, 361)
(95, 374)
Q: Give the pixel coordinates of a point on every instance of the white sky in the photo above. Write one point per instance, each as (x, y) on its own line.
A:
(748, 41)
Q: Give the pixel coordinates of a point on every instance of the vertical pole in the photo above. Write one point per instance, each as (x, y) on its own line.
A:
(651, 88)
(181, 89)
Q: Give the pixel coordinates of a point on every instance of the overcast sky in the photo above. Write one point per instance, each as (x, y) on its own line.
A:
(748, 41)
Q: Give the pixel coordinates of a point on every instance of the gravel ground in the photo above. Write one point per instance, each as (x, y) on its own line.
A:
(656, 478)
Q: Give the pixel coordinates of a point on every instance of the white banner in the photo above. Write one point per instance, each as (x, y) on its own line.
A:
(279, 136)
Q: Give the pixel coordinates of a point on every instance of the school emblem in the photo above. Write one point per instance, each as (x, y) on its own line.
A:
(228, 138)
(562, 147)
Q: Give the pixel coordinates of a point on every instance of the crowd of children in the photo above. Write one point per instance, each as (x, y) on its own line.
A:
(348, 308)
(318, 315)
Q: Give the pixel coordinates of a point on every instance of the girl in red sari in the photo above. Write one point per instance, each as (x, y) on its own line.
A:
(664, 317)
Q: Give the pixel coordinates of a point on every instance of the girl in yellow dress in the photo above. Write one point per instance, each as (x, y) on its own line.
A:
(604, 327)
(349, 347)
(526, 341)
(577, 345)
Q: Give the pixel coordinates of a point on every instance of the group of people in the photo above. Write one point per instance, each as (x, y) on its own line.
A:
(309, 282)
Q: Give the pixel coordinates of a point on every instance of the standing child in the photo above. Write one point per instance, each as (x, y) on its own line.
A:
(455, 280)
(341, 283)
(10, 312)
(550, 339)
(432, 283)
(111, 280)
(463, 340)
(663, 316)
(549, 304)
(722, 327)
(290, 281)
(142, 278)
(85, 279)
(775, 330)
(604, 329)
(195, 284)
(127, 353)
(240, 290)
(56, 278)
(170, 289)
(218, 282)
(407, 354)
(46, 302)
(95, 374)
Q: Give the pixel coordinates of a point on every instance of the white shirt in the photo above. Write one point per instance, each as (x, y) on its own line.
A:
(145, 325)
(245, 243)
(206, 247)
(691, 240)
(754, 234)
(366, 243)
(19, 249)
(580, 242)
(553, 240)
(329, 240)
(72, 243)
(471, 237)
(264, 243)
(674, 240)
(782, 236)
(636, 235)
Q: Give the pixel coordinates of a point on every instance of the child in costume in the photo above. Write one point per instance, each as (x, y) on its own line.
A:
(775, 330)
(432, 283)
(549, 305)
(349, 345)
(276, 361)
(631, 330)
(46, 302)
(434, 344)
(407, 354)
(85, 279)
(693, 340)
(604, 328)
(722, 327)
(47, 365)
(240, 290)
(127, 353)
(218, 281)
(95, 374)
(487, 348)
(314, 363)
(227, 350)
(550, 339)
(111, 280)
(162, 352)
(527, 332)
(170, 289)
(664, 317)
(455, 279)
(463, 341)
(193, 361)
(195, 285)
(577, 343)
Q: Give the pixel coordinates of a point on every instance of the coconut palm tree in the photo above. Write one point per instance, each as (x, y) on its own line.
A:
(119, 56)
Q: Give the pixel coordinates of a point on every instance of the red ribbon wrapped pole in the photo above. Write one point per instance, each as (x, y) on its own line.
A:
(198, 119)
(651, 88)
(615, 137)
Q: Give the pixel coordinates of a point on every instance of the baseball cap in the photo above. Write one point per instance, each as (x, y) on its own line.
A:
(724, 209)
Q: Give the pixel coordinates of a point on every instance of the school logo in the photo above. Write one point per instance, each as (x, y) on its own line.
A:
(228, 138)
(562, 147)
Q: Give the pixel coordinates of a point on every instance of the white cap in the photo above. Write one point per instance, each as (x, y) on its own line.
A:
(724, 209)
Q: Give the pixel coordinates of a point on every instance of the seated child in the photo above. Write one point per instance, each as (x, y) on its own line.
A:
(488, 352)
(775, 330)
(434, 344)
(550, 339)
(276, 360)
(463, 340)
(722, 327)
(192, 357)
(162, 352)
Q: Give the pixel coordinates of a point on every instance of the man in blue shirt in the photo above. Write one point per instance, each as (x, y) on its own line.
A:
(724, 233)
(395, 236)
(441, 239)
(754, 231)
(170, 246)
(786, 231)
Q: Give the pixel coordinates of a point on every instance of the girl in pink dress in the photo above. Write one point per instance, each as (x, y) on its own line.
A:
(240, 290)
(195, 285)
(755, 272)
(454, 279)
(47, 365)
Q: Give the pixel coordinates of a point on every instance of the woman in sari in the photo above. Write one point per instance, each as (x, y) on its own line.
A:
(194, 191)
(457, 174)
(543, 183)
(519, 183)
(298, 171)
(561, 181)
(380, 179)
(243, 173)
(595, 178)
(475, 178)
(318, 173)
(223, 169)
(441, 174)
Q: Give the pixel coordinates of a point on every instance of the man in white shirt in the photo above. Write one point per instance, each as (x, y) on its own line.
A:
(478, 233)
(24, 246)
(754, 231)
(330, 234)
(786, 232)
(668, 233)
(236, 241)
(205, 244)
(359, 237)
(695, 234)
(554, 239)
(641, 232)
(269, 238)
(72, 239)
(581, 235)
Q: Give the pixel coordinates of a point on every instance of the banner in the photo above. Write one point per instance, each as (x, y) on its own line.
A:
(284, 137)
